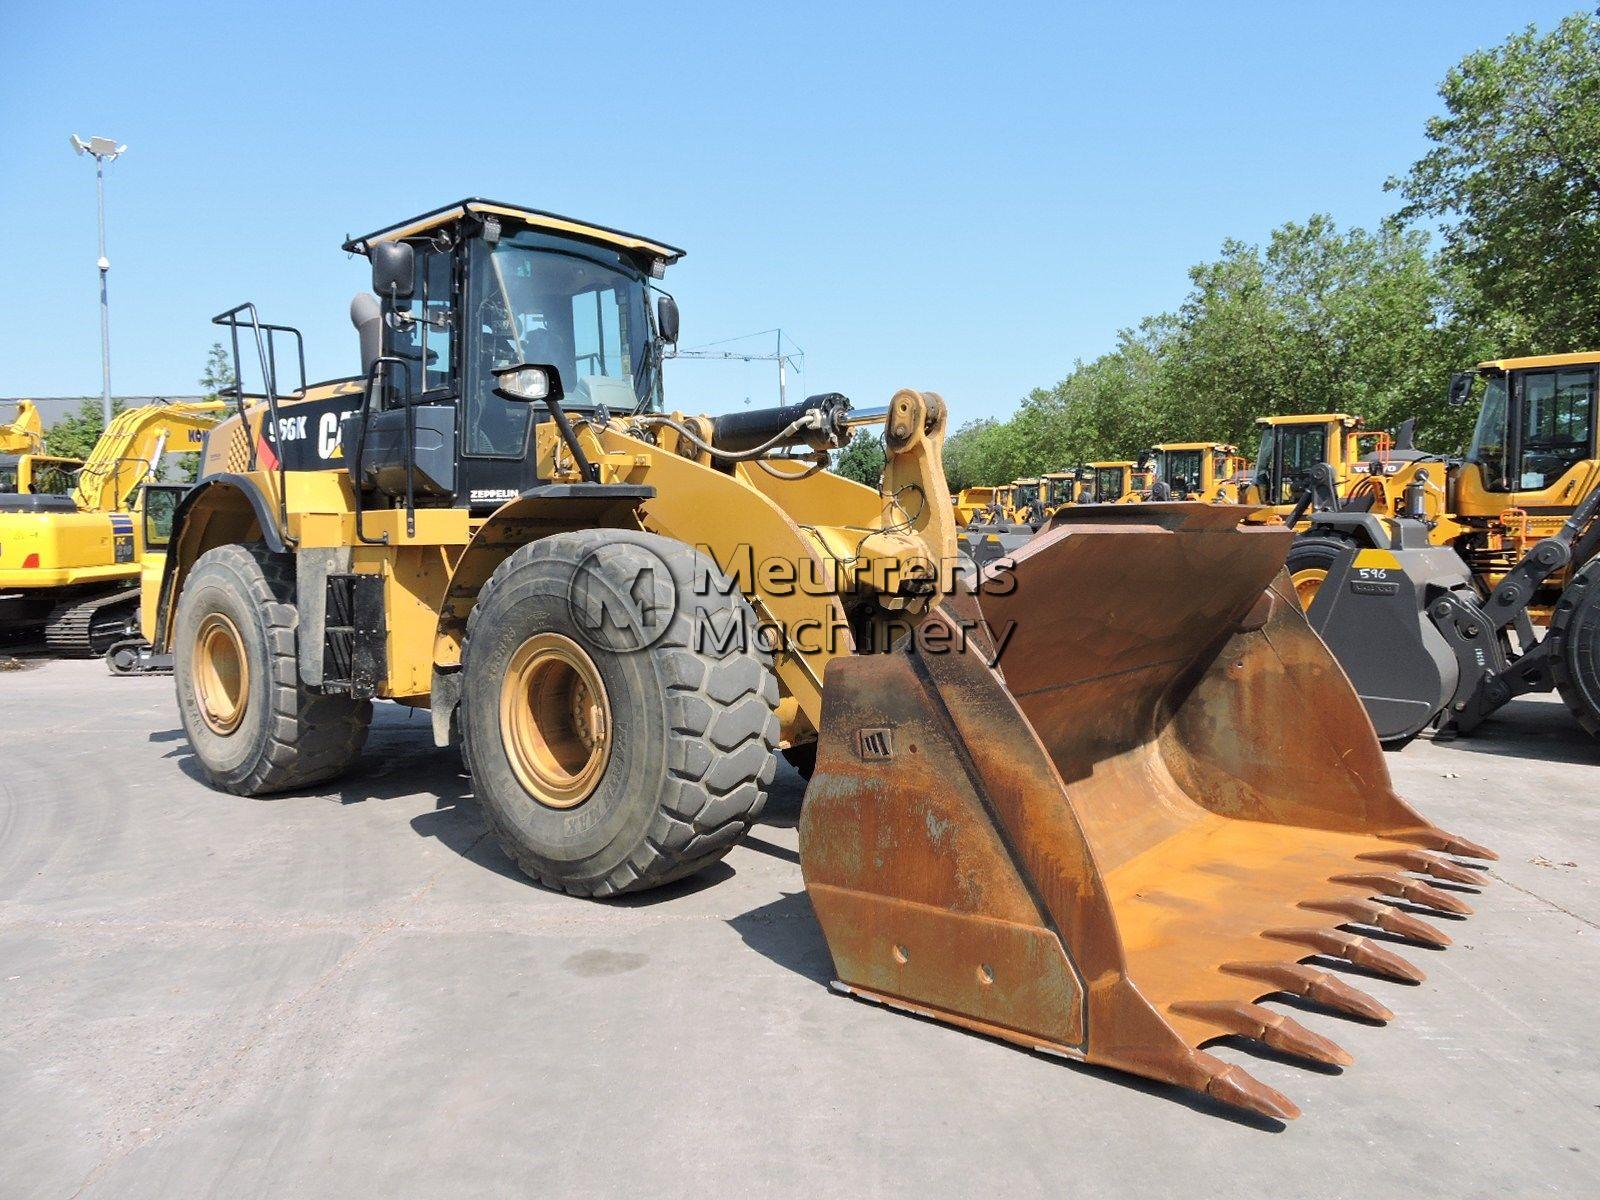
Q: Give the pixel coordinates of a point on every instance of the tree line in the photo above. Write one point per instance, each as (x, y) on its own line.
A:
(1492, 251)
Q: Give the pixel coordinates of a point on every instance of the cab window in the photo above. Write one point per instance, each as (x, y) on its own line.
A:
(1180, 469)
(1300, 449)
(1489, 443)
(1108, 484)
(423, 334)
(159, 504)
(1556, 425)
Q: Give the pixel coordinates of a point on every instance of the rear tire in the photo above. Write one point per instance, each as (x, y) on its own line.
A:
(254, 727)
(1575, 656)
(603, 770)
(1310, 559)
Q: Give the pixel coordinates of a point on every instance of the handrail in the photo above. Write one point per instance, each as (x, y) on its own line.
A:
(374, 372)
(266, 350)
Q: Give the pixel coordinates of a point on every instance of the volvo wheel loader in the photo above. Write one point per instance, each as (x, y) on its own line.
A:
(70, 563)
(1433, 596)
(1060, 823)
(1193, 471)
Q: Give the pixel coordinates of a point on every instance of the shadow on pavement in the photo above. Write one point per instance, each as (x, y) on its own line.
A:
(786, 932)
(1530, 729)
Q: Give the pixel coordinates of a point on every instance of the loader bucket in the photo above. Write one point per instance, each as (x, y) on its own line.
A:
(1112, 847)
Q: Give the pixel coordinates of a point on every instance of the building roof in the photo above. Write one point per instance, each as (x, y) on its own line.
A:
(54, 408)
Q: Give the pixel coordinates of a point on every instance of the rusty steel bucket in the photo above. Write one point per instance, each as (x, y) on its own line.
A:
(1113, 846)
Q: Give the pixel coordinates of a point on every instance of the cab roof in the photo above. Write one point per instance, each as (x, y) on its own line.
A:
(532, 217)
(1221, 447)
(1581, 358)
(1346, 419)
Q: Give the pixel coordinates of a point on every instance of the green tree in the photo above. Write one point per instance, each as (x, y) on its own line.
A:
(862, 460)
(1514, 180)
(217, 378)
(1319, 320)
(74, 435)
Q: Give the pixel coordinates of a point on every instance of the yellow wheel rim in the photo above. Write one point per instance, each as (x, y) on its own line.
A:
(555, 720)
(221, 674)
(1306, 583)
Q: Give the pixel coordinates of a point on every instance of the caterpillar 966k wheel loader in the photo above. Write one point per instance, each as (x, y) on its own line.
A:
(1432, 595)
(1064, 823)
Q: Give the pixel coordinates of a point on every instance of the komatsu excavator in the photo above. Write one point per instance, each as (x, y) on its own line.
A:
(70, 563)
(1061, 807)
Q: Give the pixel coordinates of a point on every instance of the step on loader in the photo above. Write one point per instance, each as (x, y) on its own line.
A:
(1060, 806)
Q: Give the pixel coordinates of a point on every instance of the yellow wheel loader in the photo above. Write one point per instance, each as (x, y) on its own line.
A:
(1118, 481)
(1432, 595)
(1064, 824)
(1193, 471)
(70, 563)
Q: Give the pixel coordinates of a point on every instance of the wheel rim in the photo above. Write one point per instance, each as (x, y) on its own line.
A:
(1306, 583)
(221, 674)
(555, 720)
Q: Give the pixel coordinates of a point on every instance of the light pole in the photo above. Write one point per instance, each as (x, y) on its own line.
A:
(103, 150)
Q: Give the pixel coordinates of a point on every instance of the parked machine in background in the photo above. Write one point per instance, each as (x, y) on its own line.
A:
(1044, 841)
(1432, 595)
(1194, 471)
(25, 432)
(70, 563)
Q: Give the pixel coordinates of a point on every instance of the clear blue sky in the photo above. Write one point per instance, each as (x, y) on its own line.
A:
(949, 196)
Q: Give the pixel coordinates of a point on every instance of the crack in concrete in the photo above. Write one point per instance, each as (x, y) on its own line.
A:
(1560, 908)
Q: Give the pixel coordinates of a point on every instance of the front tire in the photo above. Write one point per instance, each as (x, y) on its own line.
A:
(1310, 559)
(1575, 658)
(254, 728)
(612, 762)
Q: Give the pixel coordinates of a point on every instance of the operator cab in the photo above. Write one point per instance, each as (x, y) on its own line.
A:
(1536, 422)
(466, 300)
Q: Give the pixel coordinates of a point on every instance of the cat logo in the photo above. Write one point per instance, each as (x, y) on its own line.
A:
(875, 745)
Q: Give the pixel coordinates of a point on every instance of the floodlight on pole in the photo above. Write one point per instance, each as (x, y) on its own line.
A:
(103, 150)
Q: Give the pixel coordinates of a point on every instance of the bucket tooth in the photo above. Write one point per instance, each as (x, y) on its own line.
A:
(1382, 916)
(1358, 950)
(1438, 839)
(1273, 1029)
(1424, 863)
(1385, 884)
(1234, 1085)
(1298, 979)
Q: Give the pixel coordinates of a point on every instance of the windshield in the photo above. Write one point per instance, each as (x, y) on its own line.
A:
(1488, 447)
(1026, 494)
(1180, 469)
(1107, 483)
(8, 476)
(550, 301)
(1266, 462)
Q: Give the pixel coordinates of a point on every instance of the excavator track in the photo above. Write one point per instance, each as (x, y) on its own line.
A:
(87, 628)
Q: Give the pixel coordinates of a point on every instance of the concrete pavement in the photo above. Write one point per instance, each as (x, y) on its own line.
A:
(354, 993)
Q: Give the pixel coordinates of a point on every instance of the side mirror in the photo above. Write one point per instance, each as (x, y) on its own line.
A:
(667, 319)
(528, 383)
(1460, 388)
(394, 270)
